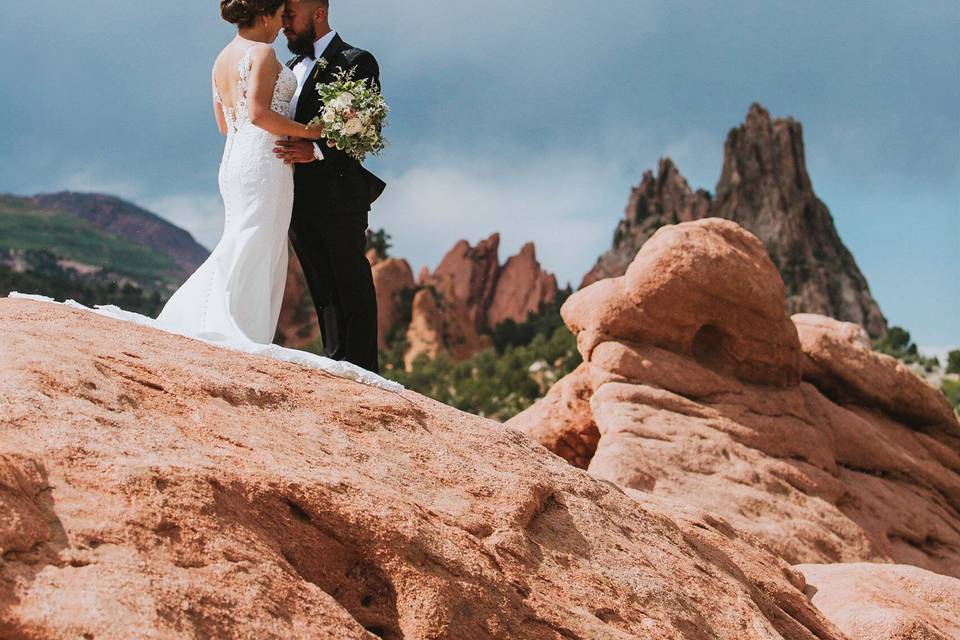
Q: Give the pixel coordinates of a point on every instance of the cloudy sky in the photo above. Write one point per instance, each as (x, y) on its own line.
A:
(532, 118)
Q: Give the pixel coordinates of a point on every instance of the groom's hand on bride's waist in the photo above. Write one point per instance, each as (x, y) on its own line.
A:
(295, 151)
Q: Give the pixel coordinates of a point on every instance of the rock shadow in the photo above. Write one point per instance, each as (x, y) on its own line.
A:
(31, 537)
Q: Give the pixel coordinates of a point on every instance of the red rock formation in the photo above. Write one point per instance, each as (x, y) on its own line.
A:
(471, 295)
(297, 326)
(154, 486)
(695, 388)
(469, 274)
(441, 324)
(522, 288)
(391, 278)
(765, 188)
(886, 602)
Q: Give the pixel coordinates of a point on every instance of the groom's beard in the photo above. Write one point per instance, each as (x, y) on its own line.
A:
(302, 43)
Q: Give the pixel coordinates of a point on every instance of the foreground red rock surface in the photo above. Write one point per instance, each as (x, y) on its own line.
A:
(886, 602)
(795, 430)
(152, 486)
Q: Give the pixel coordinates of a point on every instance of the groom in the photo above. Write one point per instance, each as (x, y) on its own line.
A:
(333, 192)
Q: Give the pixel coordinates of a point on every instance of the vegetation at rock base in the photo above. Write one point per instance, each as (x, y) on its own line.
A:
(953, 362)
(43, 275)
(952, 390)
(899, 344)
(527, 359)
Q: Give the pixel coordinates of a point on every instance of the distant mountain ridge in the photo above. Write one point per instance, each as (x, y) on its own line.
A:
(765, 187)
(92, 248)
(130, 222)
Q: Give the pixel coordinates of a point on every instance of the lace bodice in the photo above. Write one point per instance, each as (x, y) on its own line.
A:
(239, 115)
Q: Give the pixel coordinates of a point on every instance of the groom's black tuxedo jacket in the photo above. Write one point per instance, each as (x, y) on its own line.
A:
(337, 184)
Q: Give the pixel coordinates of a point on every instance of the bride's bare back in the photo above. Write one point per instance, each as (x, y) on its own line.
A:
(255, 96)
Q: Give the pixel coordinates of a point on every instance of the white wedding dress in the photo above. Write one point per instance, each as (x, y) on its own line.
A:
(238, 291)
(233, 300)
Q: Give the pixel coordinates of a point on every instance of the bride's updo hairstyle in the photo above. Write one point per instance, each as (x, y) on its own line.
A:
(244, 13)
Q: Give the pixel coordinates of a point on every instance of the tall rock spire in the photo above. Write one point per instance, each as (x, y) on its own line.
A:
(765, 187)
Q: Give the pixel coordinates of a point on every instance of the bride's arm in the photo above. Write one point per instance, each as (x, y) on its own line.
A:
(263, 79)
(217, 107)
(218, 114)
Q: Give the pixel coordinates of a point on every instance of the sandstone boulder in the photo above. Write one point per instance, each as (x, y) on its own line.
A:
(849, 465)
(562, 421)
(840, 361)
(705, 289)
(153, 486)
(886, 602)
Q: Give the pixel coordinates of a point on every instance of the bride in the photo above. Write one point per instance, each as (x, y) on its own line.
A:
(236, 294)
(233, 300)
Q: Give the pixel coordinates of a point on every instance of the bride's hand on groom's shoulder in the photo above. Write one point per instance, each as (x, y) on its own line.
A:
(295, 151)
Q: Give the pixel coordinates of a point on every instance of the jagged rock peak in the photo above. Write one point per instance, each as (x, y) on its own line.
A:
(469, 274)
(490, 292)
(766, 188)
(660, 199)
(523, 287)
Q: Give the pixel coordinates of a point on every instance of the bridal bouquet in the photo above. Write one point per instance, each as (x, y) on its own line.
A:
(353, 116)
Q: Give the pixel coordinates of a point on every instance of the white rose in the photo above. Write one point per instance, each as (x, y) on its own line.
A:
(353, 127)
(346, 98)
(329, 115)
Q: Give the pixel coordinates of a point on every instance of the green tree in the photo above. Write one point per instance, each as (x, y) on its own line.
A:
(953, 362)
(896, 343)
(951, 389)
(379, 241)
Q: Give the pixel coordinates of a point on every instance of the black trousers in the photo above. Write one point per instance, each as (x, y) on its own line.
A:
(332, 252)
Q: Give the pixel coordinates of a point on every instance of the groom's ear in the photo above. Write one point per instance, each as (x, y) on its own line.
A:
(322, 12)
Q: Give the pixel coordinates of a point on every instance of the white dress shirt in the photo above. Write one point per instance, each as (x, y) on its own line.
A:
(302, 71)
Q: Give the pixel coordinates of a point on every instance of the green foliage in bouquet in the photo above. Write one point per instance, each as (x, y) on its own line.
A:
(353, 115)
